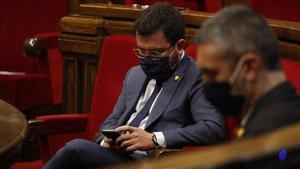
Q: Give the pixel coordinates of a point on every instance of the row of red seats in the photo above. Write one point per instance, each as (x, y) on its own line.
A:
(112, 69)
(29, 83)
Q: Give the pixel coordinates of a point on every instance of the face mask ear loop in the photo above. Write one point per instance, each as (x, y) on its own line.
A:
(236, 72)
(178, 58)
(233, 79)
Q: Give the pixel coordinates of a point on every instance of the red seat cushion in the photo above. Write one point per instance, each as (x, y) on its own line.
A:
(26, 91)
(28, 165)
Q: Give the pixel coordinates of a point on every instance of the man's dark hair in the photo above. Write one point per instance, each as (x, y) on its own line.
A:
(237, 30)
(161, 17)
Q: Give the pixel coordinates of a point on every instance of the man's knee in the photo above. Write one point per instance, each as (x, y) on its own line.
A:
(76, 145)
(68, 156)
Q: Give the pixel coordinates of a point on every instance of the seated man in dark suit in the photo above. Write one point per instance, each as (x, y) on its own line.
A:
(162, 103)
(239, 57)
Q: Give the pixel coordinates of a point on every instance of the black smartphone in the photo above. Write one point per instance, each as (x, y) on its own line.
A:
(110, 133)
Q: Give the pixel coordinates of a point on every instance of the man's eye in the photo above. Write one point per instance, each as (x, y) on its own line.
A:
(154, 53)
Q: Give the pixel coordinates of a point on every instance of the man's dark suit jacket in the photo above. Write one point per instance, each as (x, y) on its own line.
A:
(279, 107)
(181, 111)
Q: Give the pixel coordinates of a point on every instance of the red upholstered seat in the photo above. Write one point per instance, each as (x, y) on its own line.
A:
(30, 82)
(115, 60)
(279, 9)
(52, 64)
(28, 165)
(292, 72)
(26, 91)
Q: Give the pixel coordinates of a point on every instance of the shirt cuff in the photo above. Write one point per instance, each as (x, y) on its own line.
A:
(160, 139)
(102, 143)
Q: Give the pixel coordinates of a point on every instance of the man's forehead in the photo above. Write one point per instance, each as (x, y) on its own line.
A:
(208, 50)
(155, 40)
(208, 57)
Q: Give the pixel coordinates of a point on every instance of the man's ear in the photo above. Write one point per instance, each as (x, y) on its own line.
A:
(253, 66)
(181, 45)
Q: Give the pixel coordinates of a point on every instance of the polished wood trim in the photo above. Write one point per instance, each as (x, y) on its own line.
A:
(107, 10)
(231, 2)
(249, 151)
(81, 24)
(284, 29)
(73, 6)
(289, 50)
(14, 123)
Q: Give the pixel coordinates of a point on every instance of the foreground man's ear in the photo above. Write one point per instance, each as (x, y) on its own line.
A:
(253, 65)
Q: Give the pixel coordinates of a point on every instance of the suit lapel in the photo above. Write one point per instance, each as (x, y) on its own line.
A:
(167, 92)
(134, 91)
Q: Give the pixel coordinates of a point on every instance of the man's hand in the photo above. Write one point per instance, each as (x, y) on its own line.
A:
(108, 143)
(134, 139)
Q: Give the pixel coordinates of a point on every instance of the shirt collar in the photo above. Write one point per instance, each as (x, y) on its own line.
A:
(183, 53)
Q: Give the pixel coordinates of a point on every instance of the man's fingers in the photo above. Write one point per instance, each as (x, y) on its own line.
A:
(122, 129)
(123, 137)
(128, 143)
(108, 140)
(132, 148)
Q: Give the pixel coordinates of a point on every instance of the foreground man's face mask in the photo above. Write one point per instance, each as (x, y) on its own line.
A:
(220, 94)
(159, 68)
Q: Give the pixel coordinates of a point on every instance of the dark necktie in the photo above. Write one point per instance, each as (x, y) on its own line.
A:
(145, 110)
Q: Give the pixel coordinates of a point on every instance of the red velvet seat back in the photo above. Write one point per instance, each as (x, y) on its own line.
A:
(278, 9)
(20, 20)
(52, 64)
(115, 60)
(292, 71)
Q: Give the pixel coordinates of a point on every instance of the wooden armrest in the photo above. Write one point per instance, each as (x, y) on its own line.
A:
(43, 126)
(36, 46)
(33, 47)
(58, 124)
(163, 152)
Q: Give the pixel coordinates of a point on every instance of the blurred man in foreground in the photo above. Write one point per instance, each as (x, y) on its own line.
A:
(239, 57)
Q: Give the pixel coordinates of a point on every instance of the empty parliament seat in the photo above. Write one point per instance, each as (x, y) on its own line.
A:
(113, 67)
(29, 83)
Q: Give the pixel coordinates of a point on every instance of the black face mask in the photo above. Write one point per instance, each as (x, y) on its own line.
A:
(220, 95)
(159, 70)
